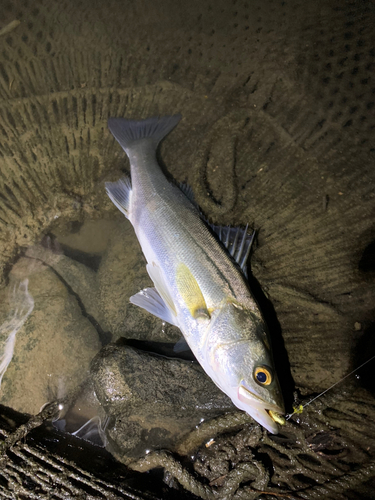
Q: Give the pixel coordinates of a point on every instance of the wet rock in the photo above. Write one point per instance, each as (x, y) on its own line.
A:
(153, 402)
(52, 350)
(76, 310)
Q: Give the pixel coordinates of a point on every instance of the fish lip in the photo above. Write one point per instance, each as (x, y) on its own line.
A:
(259, 409)
(259, 400)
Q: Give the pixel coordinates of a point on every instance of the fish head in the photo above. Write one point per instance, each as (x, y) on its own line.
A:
(238, 352)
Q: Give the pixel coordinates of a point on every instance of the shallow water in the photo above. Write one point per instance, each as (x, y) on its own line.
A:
(55, 339)
(69, 298)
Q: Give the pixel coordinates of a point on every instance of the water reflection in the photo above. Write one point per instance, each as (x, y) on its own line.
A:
(21, 306)
(52, 350)
(74, 292)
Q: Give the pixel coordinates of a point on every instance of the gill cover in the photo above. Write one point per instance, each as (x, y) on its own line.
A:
(241, 364)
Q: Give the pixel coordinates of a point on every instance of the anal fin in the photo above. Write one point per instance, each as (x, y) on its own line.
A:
(181, 346)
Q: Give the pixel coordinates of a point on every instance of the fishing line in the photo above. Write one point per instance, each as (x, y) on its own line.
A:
(302, 407)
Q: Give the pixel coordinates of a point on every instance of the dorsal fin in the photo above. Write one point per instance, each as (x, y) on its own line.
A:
(237, 241)
(188, 192)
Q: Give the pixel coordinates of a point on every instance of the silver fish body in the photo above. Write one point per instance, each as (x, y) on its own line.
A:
(198, 286)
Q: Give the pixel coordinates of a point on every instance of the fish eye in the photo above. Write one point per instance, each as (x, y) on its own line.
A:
(263, 375)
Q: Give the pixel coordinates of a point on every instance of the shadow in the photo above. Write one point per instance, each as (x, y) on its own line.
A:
(367, 261)
(365, 348)
(89, 260)
(364, 351)
(164, 349)
(280, 355)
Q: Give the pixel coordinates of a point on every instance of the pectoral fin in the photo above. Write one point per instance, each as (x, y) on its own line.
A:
(191, 293)
(150, 300)
(160, 285)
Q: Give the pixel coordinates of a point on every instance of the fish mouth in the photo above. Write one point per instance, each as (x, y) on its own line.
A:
(269, 415)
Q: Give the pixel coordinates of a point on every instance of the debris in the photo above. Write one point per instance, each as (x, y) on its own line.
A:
(10, 27)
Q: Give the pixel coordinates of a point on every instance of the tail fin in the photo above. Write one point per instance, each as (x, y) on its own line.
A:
(128, 132)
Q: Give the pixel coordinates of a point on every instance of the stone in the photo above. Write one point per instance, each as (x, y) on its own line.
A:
(152, 401)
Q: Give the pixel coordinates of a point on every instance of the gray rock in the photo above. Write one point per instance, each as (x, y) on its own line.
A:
(153, 402)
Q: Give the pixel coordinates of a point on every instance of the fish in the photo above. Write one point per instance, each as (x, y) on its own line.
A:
(199, 274)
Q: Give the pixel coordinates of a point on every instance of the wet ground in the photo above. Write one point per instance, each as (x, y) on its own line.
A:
(278, 122)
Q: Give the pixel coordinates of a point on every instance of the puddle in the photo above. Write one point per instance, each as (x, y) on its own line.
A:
(66, 303)
(49, 329)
